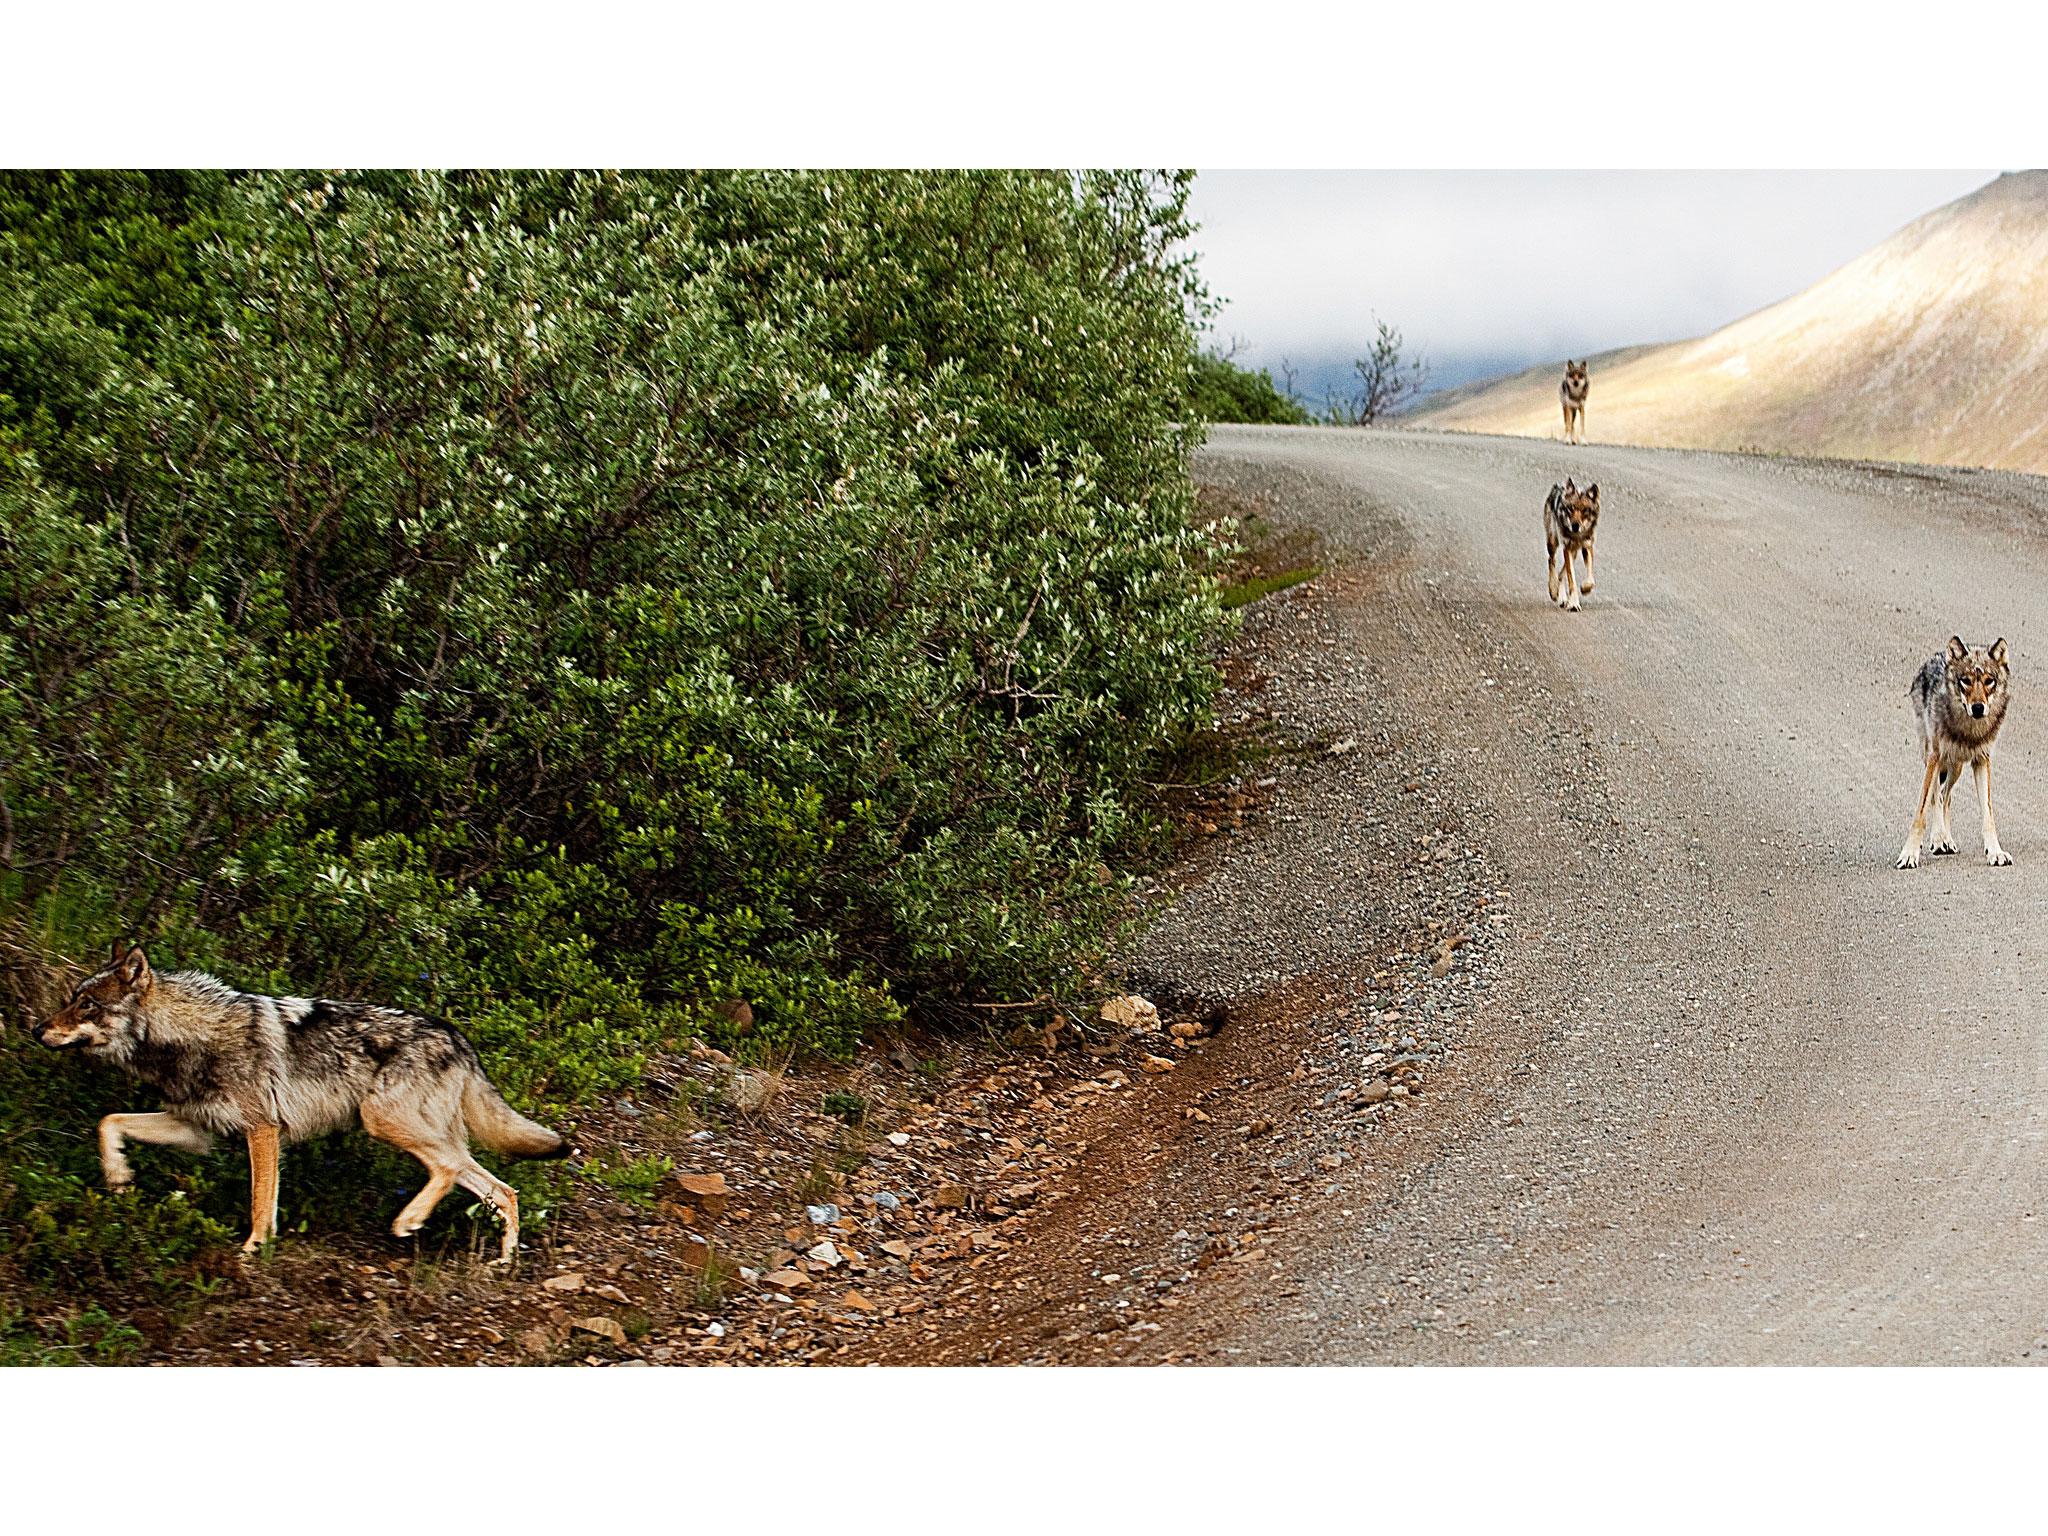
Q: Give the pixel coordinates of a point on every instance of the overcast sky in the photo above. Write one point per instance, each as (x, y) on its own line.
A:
(1486, 271)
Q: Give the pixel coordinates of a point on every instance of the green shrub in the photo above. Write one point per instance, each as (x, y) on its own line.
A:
(1223, 391)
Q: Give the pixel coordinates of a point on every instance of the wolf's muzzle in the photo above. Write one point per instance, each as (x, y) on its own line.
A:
(1977, 710)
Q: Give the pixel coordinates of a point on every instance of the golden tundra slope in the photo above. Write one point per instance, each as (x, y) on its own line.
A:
(1931, 347)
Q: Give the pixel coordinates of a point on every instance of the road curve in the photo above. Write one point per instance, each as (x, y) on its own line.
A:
(1742, 1092)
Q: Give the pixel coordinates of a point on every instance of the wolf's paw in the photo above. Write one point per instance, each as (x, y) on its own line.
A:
(1997, 858)
(1572, 606)
(1909, 859)
(402, 1228)
(1944, 848)
(120, 1183)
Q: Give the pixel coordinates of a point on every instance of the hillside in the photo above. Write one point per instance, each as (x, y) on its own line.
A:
(1933, 346)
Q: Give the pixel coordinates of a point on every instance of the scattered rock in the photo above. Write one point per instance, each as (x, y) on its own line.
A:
(570, 1282)
(1373, 1093)
(736, 1011)
(753, 1090)
(1156, 1064)
(822, 1215)
(537, 1342)
(1131, 1012)
(606, 1328)
(705, 1192)
(828, 1254)
(950, 1197)
(899, 1138)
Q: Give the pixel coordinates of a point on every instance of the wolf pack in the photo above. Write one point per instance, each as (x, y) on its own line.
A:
(276, 1070)
(1958, 695)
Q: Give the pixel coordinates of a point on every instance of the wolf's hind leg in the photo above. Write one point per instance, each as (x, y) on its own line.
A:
(1993, 853)
(421, 1205)
(1909, 856)
(441, 1151)
(1944, 829)
(485, 1185)
(158, 1129)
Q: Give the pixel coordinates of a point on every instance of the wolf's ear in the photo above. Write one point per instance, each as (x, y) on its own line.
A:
(1569, 488)
(1957, 651)
(120, 948)
(135, 971)
(1998, 652)
(1593, 491)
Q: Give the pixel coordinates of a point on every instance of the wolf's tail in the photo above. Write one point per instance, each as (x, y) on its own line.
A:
(502, 1128)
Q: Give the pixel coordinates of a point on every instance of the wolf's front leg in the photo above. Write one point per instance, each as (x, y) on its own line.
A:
(1993, 853)
(1550, 564)
(1586, 559)
(263, 1155)
(1571, 584)
(1944, 828)
(1909, 856)
(157, 1129)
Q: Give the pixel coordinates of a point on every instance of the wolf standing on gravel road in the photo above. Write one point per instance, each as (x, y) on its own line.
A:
(1571, 394)
(1570, 518)
(1958, 705)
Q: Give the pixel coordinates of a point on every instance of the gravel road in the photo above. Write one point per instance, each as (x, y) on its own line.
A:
(1732, 1090)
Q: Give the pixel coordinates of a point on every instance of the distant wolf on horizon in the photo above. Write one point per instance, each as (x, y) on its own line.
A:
(1571, 394)
(1959, 700)
(281, 1069)
(1570, 519)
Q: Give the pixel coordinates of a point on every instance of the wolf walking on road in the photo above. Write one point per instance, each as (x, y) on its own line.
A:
(1959, 700)
(1570, 518)
(1571, 394)
(281, 1069)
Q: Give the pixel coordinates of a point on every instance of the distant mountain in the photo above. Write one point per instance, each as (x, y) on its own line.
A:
(1932, 347)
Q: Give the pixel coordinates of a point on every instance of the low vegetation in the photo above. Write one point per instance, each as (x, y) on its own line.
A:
(572, 604)
(1384, 381)
(1228, 391)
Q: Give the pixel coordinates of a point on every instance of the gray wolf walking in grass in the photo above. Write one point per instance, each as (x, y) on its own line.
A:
(1959, 700)
(281, 1069)
(1570, 517)
(1571, 394)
